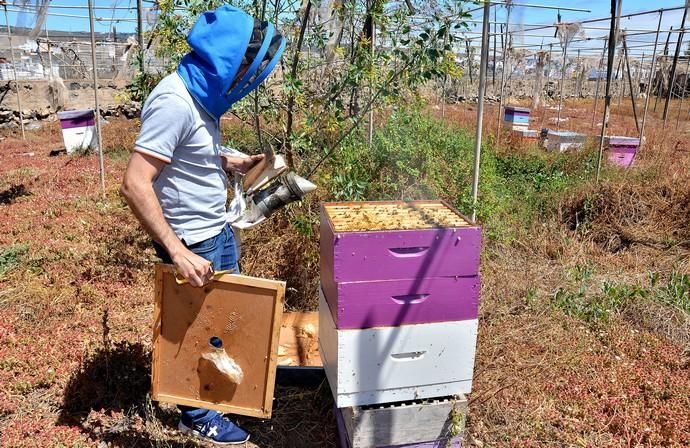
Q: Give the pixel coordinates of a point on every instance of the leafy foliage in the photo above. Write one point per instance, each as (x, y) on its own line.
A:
(333, 85)
(11, 256)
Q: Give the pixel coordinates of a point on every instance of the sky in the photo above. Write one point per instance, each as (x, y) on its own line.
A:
(521, 18)
(123, 20)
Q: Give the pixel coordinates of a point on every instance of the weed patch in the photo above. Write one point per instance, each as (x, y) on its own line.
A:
(11, 256)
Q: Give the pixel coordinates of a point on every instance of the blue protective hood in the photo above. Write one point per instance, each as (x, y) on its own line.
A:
(219, 40)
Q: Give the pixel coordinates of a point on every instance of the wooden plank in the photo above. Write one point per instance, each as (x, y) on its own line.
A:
(387, 364)
(299, 340)
(245, 313)
(156, 331)
(407, 423)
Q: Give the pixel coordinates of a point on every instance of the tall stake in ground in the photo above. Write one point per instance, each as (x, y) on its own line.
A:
(140, 33)
(632, 93)
(660, 83)
(682, 94)
(483, 65)
(503, 73)
(674, 66)
(609, 73)
(14, 71)
(596, 94)
(649, 80)
(560, 97)
(95, 99)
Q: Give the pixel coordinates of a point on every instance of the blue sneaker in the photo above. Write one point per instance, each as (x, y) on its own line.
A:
(219, 431)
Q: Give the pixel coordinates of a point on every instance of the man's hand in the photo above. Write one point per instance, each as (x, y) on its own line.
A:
(197, 270)
(240, 164)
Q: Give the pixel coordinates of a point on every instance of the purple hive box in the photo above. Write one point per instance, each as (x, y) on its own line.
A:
(400, 302)
(406, 270)
(76, 118)
(344, 442)
(621, 151)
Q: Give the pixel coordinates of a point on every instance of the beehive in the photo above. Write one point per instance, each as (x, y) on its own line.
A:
(562, 141)
(399, 281)
(379, 259)
(516, 118)
(621, 151)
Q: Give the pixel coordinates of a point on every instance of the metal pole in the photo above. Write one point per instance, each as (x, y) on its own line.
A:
(95, 99)
(640, 69)
(560, 99)
(469, 61)
(672, 85)
(480, 107)
(682, 95)
(14, 70)
(632, 94)
(503, 75)
(609, 73)
(675, 61)
(596, 94)
(659, 84)
(649, 81)
(371, 87)
(50, 53)
(620, 83)
(548, 79)
(493, 71)
(578, 87)
(140, 33)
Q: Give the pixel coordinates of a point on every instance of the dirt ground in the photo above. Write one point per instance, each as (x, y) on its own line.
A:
(76, 306)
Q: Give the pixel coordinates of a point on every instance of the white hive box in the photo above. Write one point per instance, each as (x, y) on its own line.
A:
(562, 141)
(389, 364)
(78, 129)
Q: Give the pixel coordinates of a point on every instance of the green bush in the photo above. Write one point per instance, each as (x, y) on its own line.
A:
(414, 156)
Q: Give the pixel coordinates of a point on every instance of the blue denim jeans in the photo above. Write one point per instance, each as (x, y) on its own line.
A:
(222, 252)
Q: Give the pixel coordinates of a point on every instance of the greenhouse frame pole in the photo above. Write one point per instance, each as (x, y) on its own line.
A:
(649, 81)
(14, 71)
(480, 107)
(609, 74)
(101, 164)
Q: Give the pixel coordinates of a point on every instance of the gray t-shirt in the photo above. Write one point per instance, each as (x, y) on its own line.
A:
(192, 188)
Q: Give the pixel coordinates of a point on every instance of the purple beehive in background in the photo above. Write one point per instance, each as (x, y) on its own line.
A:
(621, 151)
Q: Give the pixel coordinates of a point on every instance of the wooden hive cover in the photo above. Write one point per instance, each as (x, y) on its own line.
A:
(245, 312)
(393, 215)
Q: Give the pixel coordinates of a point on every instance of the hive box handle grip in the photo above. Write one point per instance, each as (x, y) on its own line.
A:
(408, 252)
(410, 299)
(409, 356)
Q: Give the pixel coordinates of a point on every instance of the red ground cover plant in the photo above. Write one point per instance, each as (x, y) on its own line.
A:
(76, 307)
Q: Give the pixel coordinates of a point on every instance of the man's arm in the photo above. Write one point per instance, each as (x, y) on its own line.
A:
(137, 189)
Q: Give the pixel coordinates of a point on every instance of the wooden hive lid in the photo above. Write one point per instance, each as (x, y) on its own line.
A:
(393, 215)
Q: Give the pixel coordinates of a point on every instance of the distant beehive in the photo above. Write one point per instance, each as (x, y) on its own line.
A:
(562, 141)
(621, 151)
(516, 118)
